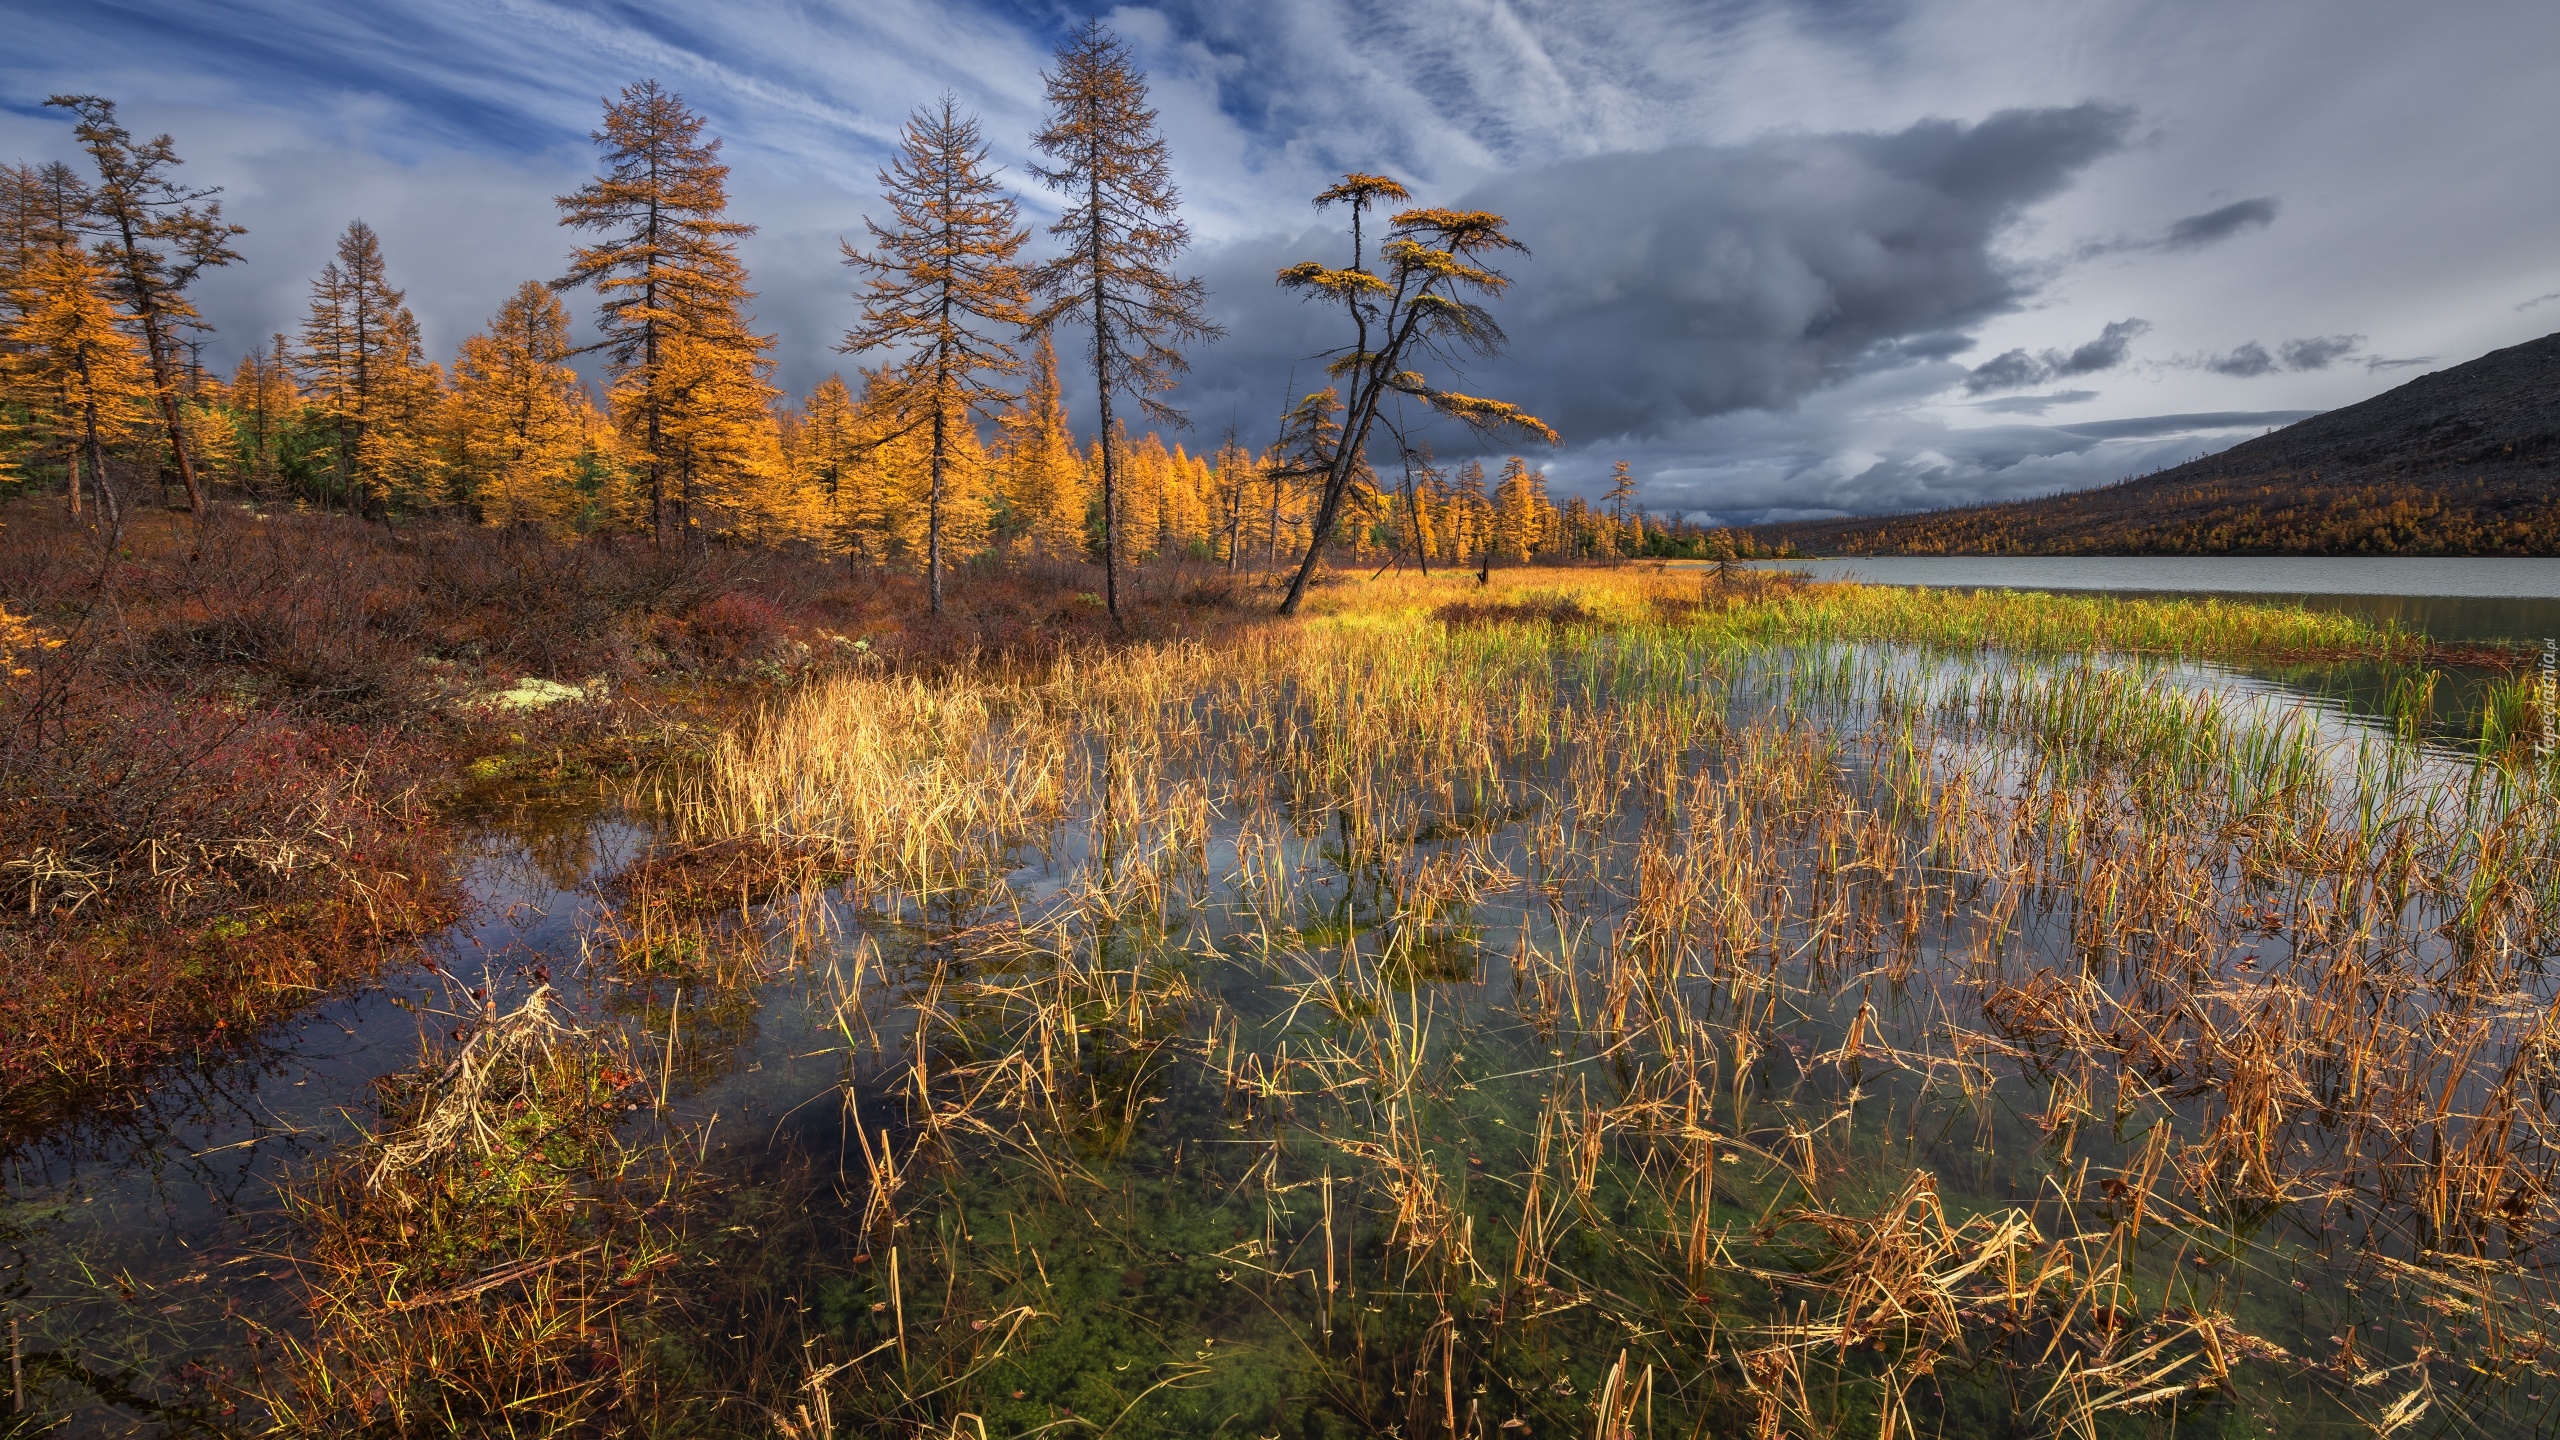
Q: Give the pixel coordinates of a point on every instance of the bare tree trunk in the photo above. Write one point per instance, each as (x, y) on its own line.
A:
(1413, 514)
(933, 510)
(106, 489)
(1102, 396)
(153, 342)
(1235, 523)
(1337, 483)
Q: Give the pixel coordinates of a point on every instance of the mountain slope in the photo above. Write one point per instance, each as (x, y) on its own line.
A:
(2464, 461)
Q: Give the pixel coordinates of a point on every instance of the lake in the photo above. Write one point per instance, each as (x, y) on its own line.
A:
(2450, 599)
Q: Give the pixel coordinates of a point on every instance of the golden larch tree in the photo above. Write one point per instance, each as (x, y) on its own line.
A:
(515, 405)
(156, 237)
(1147, 476)
(1472, 530)
(1122, 232)
(364, 371)
(1417, 518)
(265, 399)
(888, 514)
(688, 387)
(1234, 479)
(940, 287)
(828, 454)
(73, 367)
(42, 209)
(1622, 495)
(1044, 480)
(1425, 306)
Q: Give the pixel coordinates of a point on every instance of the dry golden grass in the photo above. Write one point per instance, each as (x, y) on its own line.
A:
(1605, 1001)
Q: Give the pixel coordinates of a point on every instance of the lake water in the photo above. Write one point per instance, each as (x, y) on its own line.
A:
(2451, 599)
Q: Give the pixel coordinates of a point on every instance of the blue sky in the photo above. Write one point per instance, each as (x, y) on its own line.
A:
(1790, 258)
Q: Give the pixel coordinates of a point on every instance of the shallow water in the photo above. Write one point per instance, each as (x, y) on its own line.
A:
(131, 1240)
(2453, 601)
(1176, 1280)
(2422, 576)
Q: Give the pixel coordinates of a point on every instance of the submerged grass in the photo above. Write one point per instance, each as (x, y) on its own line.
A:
(497, 1258)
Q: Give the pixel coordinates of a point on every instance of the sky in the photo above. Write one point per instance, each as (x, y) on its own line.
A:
(1789, 258)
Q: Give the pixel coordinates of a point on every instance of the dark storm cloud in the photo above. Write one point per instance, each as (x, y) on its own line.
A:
(2104, 353)
(1699, 280)
(2247, 361)
(2009, 370)
(2016, 369)
(2197, 231)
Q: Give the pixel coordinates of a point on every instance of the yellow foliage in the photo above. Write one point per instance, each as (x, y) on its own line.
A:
(1043, 480)
(889, 512)
(79, 377)
(518, 427)
(17, 636)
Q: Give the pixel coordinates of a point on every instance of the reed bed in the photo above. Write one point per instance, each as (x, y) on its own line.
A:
(1780, 1014)
(1602, 1003)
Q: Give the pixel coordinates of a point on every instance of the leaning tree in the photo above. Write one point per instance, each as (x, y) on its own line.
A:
(1425, 302)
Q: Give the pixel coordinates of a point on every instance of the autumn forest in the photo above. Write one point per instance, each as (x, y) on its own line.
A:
(947, 446)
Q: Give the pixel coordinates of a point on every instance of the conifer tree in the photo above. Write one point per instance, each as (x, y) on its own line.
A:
(716, 435)
(874, 490)
(671, 295)
(1424, 306)
(213, 429)
(41, 211)
(1514, 528)
(1438, 503)
(157, 237)
(1421, 487)
(71, 364)
(1044, 478)
(377, 397)
(1236, 474)
(20, 210)
(263, 395)
(942, 278)
(1478, 522)
(1622, 493)
(1145, 479)
(515, 411)
(1122, 233)
(830, 451)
